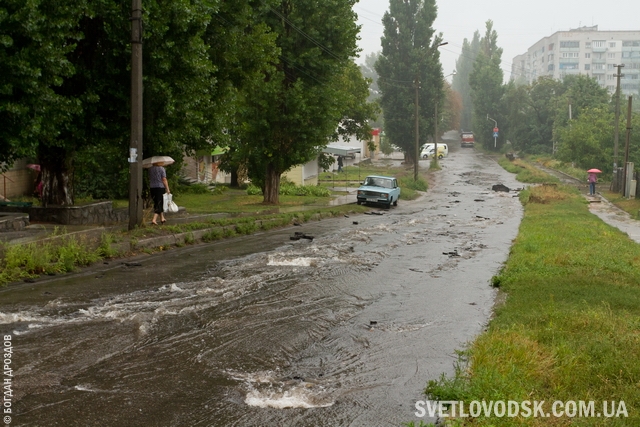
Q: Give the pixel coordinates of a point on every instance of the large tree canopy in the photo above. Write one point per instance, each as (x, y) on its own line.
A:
(65, 94)
(409, 57)
(309, 94)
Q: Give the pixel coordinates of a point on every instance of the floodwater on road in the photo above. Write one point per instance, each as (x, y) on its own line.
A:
(342, 330)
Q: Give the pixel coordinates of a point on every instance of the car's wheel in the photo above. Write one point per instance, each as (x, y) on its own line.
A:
(395, 202)
(440, 156)
(358, 202)
(425, 157)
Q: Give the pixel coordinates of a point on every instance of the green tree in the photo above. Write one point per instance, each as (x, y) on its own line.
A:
(35, 39)
(306, 94)
(530, 113)
(460, 82)
(369, 72)
(487, 87)
(452, 110)
(588, 141)
(409, 56)
(69, 80)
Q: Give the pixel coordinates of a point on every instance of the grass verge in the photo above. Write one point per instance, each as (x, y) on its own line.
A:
(62, 253)
(525, 172)
(570, 327)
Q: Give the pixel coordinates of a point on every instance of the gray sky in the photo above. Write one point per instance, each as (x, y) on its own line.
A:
(518, 24)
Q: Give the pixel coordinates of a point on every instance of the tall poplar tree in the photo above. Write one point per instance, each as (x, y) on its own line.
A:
(409, 58)
(460, 82)
(486, 81)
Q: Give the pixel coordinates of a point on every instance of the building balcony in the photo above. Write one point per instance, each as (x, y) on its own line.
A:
(598, 49)
(598, 71)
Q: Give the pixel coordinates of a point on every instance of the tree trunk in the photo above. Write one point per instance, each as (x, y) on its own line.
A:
(272, 186)
(56, 169)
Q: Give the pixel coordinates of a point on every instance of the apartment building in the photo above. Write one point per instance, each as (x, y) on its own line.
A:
(584, 50)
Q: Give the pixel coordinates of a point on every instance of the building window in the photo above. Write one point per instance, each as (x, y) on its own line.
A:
(587, 67)
(598, 66)
(587, 55)
(609, 66)
(587, 45)
(631, 43)
(612, 44)
(611, 55)
(610, 88)
(569, 55)
(599, 43)
(550, 46)
(609, 76)
(569, 44)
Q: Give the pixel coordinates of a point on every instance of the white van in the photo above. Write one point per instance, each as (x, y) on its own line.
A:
(427, 151)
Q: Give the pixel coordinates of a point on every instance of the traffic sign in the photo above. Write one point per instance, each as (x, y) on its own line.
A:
(495, 134)
(495, 129)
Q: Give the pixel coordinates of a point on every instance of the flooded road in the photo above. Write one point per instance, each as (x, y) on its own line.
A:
(344, 330)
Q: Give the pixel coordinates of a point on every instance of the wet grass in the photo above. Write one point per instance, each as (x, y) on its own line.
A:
(569, 329)
(631, 206)
(352, 177)
(62, 255)
(525, 172)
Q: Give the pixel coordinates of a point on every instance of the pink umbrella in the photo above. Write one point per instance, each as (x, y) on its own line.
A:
(34, 167)
(594, 171)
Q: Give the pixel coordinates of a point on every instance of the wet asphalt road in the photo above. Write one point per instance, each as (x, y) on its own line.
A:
(344, 330)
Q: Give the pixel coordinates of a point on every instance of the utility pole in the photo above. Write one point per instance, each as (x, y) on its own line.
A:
(435, 135)
(135, 146)
(626, 151)
(617, 124)
(415, 164)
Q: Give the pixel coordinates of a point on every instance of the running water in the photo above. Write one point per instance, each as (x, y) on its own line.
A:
(343, 330)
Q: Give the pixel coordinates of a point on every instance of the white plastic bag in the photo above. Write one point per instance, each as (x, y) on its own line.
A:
(168, 203)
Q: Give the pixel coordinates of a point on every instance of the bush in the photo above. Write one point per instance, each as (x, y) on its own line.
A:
(198, 188)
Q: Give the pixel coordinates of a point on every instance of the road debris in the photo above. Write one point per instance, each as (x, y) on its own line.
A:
(500, 187)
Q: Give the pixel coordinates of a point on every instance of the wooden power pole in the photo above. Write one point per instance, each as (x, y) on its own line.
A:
(417, 147)
(135, 147)
(616, 129)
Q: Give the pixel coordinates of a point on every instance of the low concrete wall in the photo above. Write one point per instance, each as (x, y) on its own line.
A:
(100, 213)
(13, 221)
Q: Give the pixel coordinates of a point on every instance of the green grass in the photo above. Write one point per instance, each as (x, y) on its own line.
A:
(64, 255)
(525, 172)
(631, 206)
(570, 327)
(409, 187)
(237, 201)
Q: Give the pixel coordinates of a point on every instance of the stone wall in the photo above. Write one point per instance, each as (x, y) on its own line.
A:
(13, 221)
(99, 213)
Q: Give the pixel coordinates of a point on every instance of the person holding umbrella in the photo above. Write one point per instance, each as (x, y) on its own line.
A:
(158, 185)
(592, 179)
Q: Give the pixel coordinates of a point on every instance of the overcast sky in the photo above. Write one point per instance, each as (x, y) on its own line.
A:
(518, 24)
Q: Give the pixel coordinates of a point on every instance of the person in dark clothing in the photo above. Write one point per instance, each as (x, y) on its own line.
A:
(340, 163)
(159, 184)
